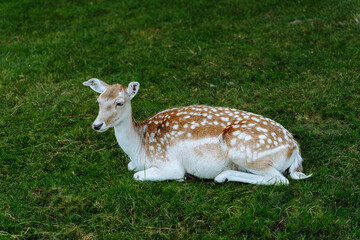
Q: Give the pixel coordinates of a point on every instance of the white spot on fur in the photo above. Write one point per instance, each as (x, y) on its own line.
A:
(204, 121)
(242, 135)
(255, 119)
(224, 119)
(236, 133)
(261, 129)
(262, 137)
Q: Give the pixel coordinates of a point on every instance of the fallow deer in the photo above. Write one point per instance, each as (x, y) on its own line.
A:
(217, 143)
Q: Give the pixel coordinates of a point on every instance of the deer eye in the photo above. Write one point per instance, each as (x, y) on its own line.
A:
(119, 104)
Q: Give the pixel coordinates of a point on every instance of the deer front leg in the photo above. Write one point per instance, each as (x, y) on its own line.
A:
(156, 174)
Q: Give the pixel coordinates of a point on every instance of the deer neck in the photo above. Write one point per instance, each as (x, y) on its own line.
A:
(128, 135)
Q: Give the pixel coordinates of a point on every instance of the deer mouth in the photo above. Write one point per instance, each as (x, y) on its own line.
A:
(101, 127)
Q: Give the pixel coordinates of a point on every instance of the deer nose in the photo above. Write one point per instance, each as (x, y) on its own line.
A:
(97, 126)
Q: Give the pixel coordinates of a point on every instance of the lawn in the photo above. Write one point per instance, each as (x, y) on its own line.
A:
(297, 62)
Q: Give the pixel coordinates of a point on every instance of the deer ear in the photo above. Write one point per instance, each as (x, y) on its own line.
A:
(132, 89)
(96, 85)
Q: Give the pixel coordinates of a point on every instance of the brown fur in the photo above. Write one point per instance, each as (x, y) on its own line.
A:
(112, 92)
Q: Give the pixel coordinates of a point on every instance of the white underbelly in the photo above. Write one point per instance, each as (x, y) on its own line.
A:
(202, 158)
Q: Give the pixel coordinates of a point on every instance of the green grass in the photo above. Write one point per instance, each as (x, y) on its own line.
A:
(61, 180)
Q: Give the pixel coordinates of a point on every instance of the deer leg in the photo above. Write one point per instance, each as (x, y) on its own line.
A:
(237, 176)
(272, 175)
(157, 174)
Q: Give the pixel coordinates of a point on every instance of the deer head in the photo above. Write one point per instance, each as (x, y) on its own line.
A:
(114, 102)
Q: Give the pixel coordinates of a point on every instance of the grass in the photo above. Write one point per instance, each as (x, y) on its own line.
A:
(61, 180)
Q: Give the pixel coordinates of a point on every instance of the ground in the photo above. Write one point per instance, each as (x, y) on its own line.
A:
(296, 62)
